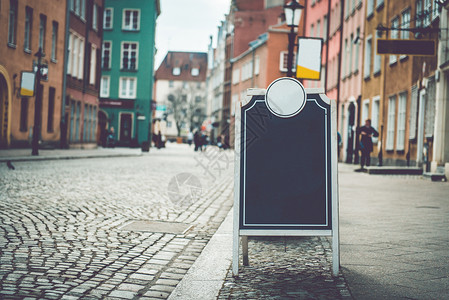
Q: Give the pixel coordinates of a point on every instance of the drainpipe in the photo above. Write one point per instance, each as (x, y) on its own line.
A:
(63, 123)
(327, 46)
(342, 18)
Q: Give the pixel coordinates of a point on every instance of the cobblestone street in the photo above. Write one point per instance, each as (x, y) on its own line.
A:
(65, 224)
(286, 268)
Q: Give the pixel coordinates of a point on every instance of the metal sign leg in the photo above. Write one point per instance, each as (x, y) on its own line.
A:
(245, 250)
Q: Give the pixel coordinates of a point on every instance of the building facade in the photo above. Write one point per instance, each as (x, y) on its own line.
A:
(398, 91)
(350, 79)
(440, 159)
(80, 123)
(27, 26)
(180, 87)
(127, 61)
(247, 20)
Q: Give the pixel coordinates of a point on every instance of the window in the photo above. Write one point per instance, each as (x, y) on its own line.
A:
(106, 57)
(76, 56)
(28, 29)
(394, 34)
(357, 51)
(70, 54)
(79, 8)
(379, 3)
(85, 122)
(405, 24)
(104, 86)
(176, 71)
(370, 8)
(12, 22)
(234, 100)
(81, 59)
(247, 70)
(427, 12)
(391, 123)
(127, 89)
(365, 110)
(107, 18)
(95, 17)
(377, 63)
(131, 19)
(350, 58)
(345, 71)
(367, 67)
(42, 29)
(375, 115)
(54, 40)
(51, 109)
(93, 65)
(171, 83)
(257, 65)
(402, 111)
(24, 115)
(94, 122)
(325, 28)
(312, 30)
(318, 28)
(429, 112)
(236, 76)
(347, 9)
(413, 112)
(419, 16)
(283, 61)
(78, 121)
(83, 9)
(129, 56)
(195, 72)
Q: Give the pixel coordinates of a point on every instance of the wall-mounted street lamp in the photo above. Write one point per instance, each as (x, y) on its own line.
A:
(37, 105)
(292, 11)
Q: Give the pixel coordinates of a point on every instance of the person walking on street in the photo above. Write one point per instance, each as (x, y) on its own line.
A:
(189, 138)
(366, 143)
(197, 140)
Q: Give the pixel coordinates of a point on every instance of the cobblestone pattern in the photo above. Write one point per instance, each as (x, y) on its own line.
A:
(60, 226)
(286, 268)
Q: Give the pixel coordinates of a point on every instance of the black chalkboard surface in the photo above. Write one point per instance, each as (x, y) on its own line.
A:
(285, 167)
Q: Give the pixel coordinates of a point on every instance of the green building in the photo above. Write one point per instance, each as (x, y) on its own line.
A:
(127, 71)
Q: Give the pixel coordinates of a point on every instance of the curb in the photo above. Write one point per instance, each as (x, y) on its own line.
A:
(206, 276)
(43, 158)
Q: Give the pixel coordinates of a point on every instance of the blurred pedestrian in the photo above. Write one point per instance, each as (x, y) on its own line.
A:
(197, 140)
(366, 143)
(190, 138)
(110, 140)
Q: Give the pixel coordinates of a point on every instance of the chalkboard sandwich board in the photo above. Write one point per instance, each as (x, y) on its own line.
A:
(285, 165)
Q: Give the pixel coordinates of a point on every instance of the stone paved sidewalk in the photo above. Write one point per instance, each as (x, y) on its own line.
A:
(62, 232)
(286, 268)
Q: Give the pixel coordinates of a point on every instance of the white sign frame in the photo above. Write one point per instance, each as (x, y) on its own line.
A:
(244, 233)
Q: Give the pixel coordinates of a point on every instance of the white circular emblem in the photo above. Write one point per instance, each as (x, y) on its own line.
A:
(285, 97)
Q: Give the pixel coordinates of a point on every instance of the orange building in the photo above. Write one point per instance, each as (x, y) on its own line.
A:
(25, 26)
(264, 61)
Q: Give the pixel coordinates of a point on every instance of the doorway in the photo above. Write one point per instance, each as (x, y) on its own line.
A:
(4, 111)
(103, 127)
(125, 128)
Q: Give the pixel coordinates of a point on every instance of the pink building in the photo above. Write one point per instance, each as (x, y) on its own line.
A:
(323, 19)
(316, 25)
(351, 76)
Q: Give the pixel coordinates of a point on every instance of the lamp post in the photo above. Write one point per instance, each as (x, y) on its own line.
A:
(292, 11)
(37, 105)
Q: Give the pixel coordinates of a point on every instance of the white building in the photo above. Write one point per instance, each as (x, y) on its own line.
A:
(180, 93)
